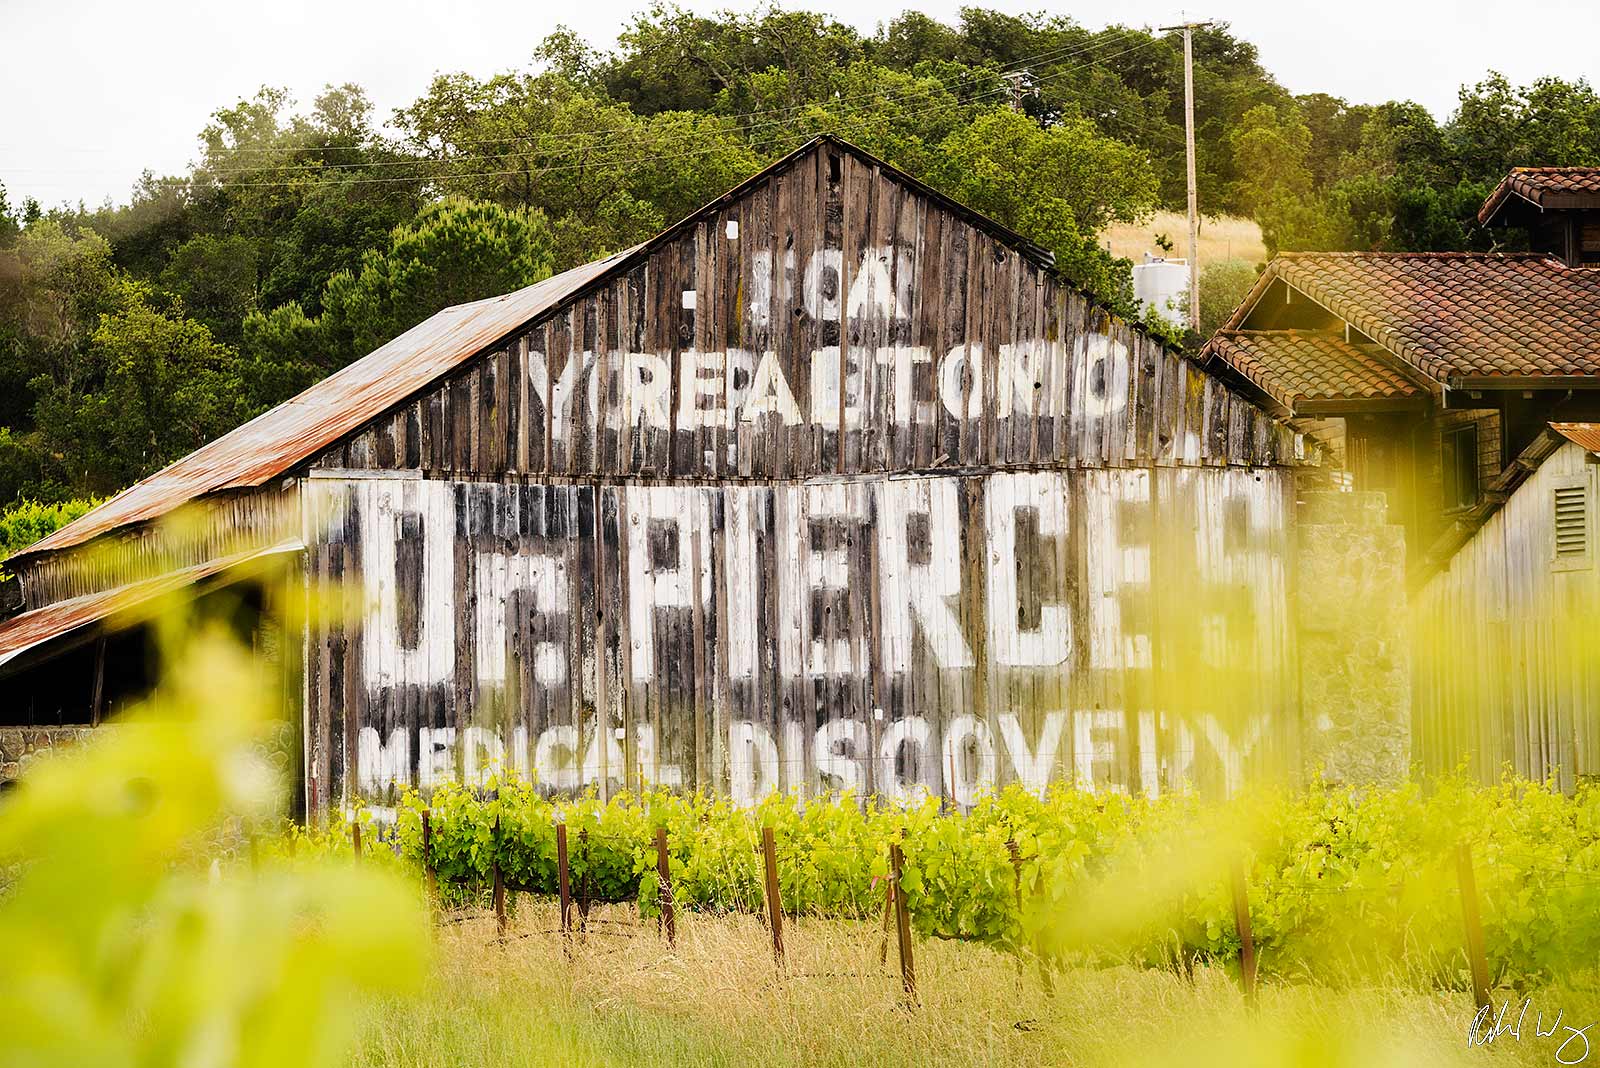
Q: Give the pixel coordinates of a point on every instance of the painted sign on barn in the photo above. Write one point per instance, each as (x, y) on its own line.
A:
(834, 486)
(945, 634)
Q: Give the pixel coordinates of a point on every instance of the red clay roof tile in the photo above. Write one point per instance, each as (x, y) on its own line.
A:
(1456, 314)
(1301, 365)
(1544, 187)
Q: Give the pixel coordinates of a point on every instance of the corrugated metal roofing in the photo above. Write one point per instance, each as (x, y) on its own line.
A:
(278, 440)
(31, 629)
(1585, 435)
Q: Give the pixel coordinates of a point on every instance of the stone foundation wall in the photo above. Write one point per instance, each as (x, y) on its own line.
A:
(19, 745)
(1354, 639)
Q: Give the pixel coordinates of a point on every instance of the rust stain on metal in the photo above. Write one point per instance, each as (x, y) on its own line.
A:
(274, 442)
(1584, 435)
(284, 437)
(22, 633)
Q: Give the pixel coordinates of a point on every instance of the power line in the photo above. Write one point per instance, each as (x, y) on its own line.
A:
(1052, 55)
(777, 137)
(766, 117)
(762, 117)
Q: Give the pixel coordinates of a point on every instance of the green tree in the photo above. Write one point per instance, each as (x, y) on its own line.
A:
(1274, 184)
(215, 278)
(1058, 186)
(673, 60)
(160, 387)
(453, 252)
(1223, 285)
(605, 177)
(1497, 126)
(55, 284)
(312, 192)
(10, 227)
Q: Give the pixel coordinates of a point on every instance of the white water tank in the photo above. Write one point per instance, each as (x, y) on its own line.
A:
(1163, 284)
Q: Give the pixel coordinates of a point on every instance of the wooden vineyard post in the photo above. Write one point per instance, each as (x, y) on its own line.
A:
(669, 918)
(583, 887)
(430, 881)
(499, 884)
(564, 885)
(1016, 885)
(1474, 923)
(902, 924)
(769, 852)
(355, 839)
(888, 922)
(1247, 941)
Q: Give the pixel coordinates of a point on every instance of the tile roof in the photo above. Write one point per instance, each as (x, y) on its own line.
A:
(1455, 315)
(1295, 366)
(1545, 187)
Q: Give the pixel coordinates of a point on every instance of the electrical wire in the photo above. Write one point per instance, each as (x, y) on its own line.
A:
(657, 157)
(599, 143)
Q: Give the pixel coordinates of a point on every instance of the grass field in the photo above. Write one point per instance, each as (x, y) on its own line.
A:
(625, 999)
(1222, 237)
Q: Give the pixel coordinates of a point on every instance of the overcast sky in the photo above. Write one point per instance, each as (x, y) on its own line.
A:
(93, 93)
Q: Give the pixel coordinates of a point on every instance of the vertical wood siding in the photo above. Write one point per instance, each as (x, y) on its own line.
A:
(832, 321)
(833, 489)
(945, 633)
(202, 532)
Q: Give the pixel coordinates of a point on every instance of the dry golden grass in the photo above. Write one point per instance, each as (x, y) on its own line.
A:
(1222, 237)
(625, 999)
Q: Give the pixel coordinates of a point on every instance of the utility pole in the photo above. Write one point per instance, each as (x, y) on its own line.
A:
(1188, 29)
(1016, 87)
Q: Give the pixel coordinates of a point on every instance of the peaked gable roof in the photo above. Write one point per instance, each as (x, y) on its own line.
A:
(1300, 366)
(1460, 318)
(1544, 188)
(277, 441)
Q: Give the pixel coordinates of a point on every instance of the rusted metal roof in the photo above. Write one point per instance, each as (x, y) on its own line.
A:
(278, 440)
(1584, 435)
(22, 633)
(1545, 187)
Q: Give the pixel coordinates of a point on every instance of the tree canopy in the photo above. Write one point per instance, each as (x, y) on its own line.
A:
(304, 236)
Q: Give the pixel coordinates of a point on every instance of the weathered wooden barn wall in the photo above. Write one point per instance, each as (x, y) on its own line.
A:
(832, 298)
(834, 487)
(949, 631)
(1507, 669)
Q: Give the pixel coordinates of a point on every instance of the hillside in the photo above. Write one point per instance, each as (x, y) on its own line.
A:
(1222, 237)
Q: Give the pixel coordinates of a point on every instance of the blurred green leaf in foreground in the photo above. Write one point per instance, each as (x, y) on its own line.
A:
(127, 941)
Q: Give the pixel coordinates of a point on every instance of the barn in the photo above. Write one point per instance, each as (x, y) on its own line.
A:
(833, 484)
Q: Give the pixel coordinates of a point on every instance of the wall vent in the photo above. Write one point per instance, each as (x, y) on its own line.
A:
(1572, 522)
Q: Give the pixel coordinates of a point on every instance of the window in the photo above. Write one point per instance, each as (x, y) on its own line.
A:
(1458, 462)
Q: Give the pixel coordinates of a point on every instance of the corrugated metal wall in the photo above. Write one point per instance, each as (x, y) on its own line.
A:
(1506, 635)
